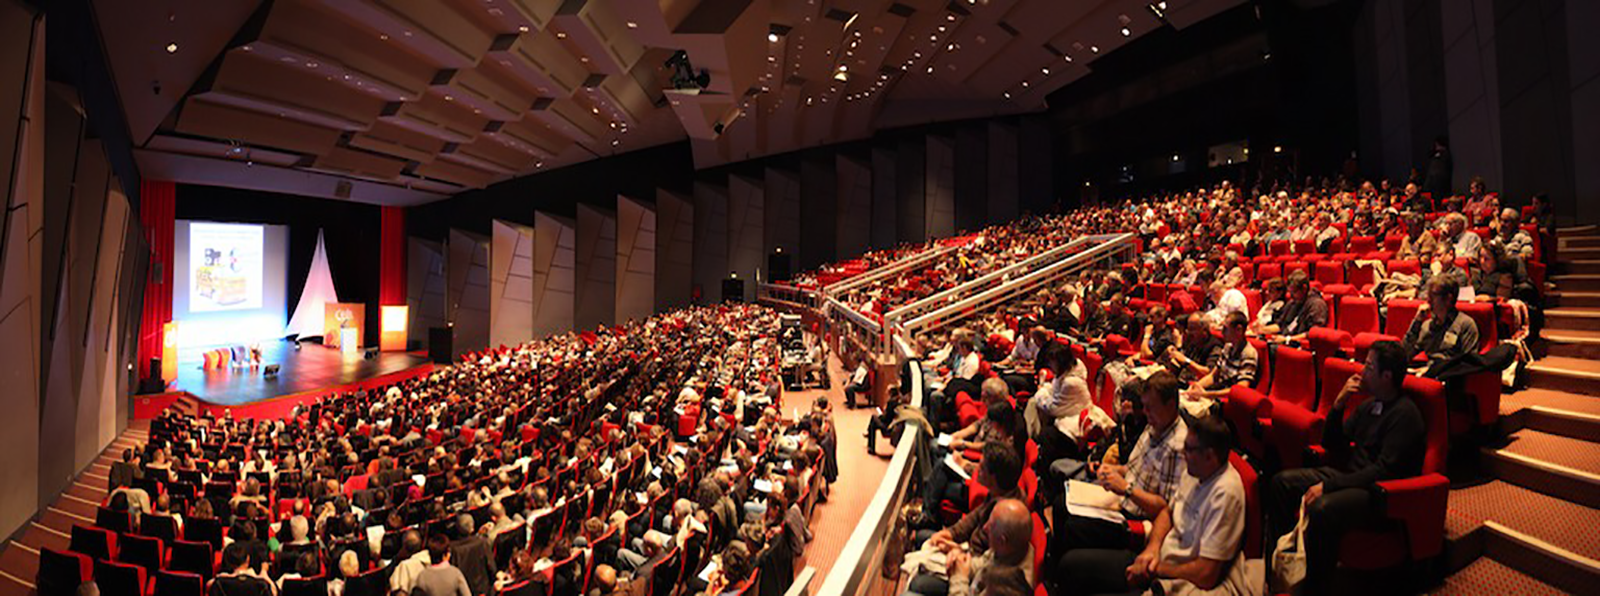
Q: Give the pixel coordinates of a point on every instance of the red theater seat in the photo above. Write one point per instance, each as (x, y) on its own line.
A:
(1248, 411)
(1278, 247)
(1392, 243)
(1482, 313)
(1329, 272)
(1358, 314)
(1328, 342)
(1412, 509)
(1293, 266)
(61, 572)
(1363, 244)
(1401, 312)
(1266, 271)
(1305, 247)
(1295, 378)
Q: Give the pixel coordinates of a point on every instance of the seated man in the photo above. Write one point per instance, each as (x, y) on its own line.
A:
(1019, 365)
(1443, 332)
(1303, 310)
(1510, 236)
(1195, 543)
(1236, 367)
(1007, 567)
(858, 383)
(1147, 481)
(1384, 441)
(999, 472)
(1199, 353)
(1272, 294)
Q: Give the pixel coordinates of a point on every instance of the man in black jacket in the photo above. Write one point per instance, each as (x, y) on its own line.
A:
(474, 555)
(1384, 439)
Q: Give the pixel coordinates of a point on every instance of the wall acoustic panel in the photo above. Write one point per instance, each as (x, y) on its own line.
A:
(636, 260)
(553, 273)
(884, 218)
(940, 187)
(674, 250)
(468, 289)
(1583, 55)
(971, 178)
(783, 209)
(510, 284)
(819, 192)
(710, 240)
(1003, 172)
(22, 162)
(596, 258)
(746, 223)
(855, 205)
(425, 283)
(910, 203)
(1471, 90)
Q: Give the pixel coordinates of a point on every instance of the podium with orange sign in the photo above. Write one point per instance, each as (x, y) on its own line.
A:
(343, 315)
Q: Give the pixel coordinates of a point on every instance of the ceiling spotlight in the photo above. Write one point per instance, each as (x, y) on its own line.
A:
(844, 67)
(172, 48)
(1126, 32)
(522, 29)
(1024, 84)
(772, 37)
(633, 25)
(1095, 49)
(1069, 58)
(950, 17)
(841, 76)
(930, 70)
(1277, 148)
(1161, 5)
(1174, 159)
(1007, 94)
(1046, 71)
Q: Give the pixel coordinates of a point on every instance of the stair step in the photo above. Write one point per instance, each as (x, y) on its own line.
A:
(88, 510)
(1583, 266)
(1552, 464)
(1577, 253)
(1583, 230)
(1573, 299)
(39, 538)
(1566, 242)
(1486, 576)
(1546, 537)
(1572, 343)
(1577, 282)
(19, 563)
(1574, 375)
(1569, 318)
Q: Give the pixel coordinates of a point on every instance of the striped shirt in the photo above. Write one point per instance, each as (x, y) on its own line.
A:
(1156, 465)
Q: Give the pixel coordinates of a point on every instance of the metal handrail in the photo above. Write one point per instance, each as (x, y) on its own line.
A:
(859, 563)
(997, 276)
(891, 269)
(1107, 246)
(786, 294)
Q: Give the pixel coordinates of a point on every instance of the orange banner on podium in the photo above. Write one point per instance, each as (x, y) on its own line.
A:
(343, 315)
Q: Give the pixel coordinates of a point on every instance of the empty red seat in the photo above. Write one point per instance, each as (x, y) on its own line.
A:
(1278, 247)
(1410, 266)
(1248, 410)
(1305, 247)
(178, 583)
(1266, 271)
(1392, 243)
(1295, 378)
(192, 557)
(97, 543)
(119, 579)
(1482, 313)
(1363, 244)
(1327, 342)
(1329, 272)
(61, 572)
(149, 553)
(1398, 320)
(1294, 431)
(1263, 365)
(1358, 314)
(1359, 275)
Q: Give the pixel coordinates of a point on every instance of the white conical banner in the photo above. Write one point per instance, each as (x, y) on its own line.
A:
(308, 314)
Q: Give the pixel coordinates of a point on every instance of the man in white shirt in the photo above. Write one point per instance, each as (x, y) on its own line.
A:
(1196, 542)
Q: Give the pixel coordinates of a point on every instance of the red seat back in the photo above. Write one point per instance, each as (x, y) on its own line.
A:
(1252, 298)
(1295, 378)
(1363, 244)
(178, 583)
(1263, 365)
(1293, 266)
(1359, 275)
(1401, 312)
(97, 543)
(1278, 247)
(1335, 372)
(1330, 272)
(1266, 271)
(1328, 342)
(1392, 243)
(1252, 506)
(120, 579)
(1358, 314)
(1411, 266)
(61, 572)
(1305, 247)
(1482, 313)
(1429, 395)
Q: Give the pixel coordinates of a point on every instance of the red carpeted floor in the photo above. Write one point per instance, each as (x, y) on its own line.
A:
(859, 475)
(1485, 577)
(1577, 454)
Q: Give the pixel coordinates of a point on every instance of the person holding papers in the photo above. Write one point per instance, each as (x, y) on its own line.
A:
(1145, 484)
(1000, 472)
(1195, 542)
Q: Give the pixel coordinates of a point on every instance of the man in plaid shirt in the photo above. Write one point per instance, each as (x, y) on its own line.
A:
(1147, 482)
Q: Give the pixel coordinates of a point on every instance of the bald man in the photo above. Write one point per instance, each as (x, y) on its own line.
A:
(1006, 569)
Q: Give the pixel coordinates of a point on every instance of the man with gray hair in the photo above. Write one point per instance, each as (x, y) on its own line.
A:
(1006, 568)
(473, 554)
(1511, 237)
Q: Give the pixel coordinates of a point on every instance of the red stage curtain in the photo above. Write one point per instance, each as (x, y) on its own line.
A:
(157, 210)
(392, 263)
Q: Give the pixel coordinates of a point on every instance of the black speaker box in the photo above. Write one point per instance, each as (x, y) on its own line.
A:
(439, 342)
(778, 266)
(733, 290)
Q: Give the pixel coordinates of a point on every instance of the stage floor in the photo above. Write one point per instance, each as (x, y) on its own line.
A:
(312, 367)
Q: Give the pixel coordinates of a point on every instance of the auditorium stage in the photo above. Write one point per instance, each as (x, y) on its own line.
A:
(311, 368)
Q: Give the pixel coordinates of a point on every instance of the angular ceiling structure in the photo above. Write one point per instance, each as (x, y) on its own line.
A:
(403, 102)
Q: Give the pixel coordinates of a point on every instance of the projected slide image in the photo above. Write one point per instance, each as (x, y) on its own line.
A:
(226, 266)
